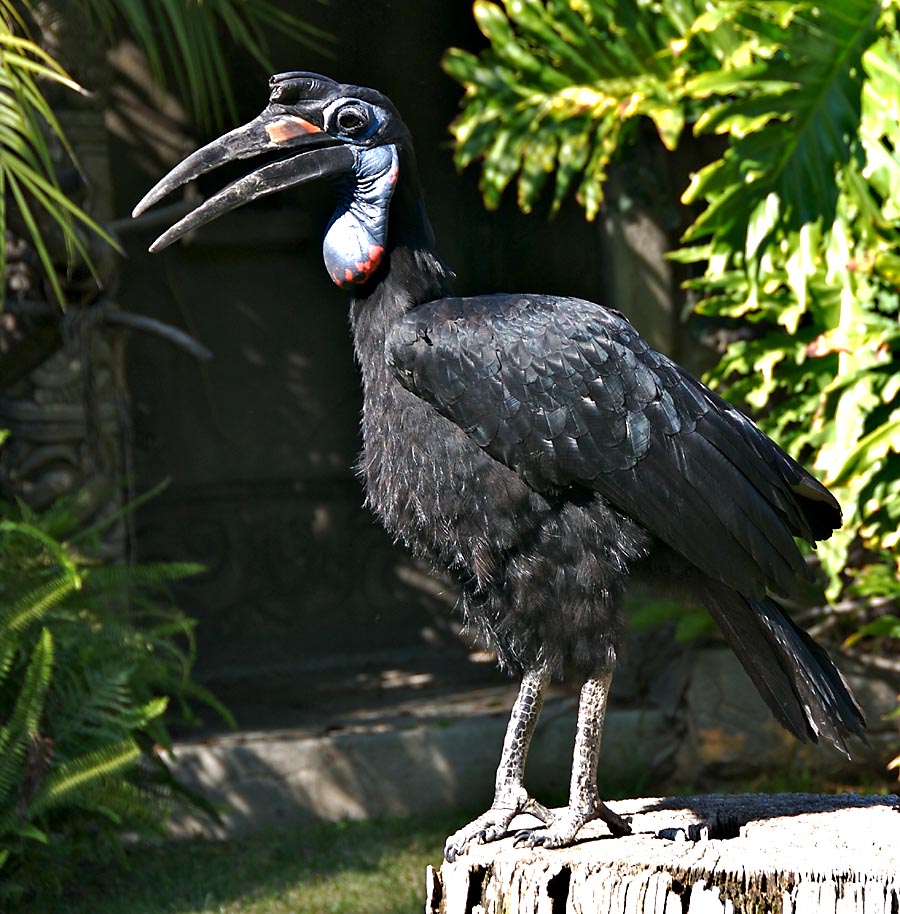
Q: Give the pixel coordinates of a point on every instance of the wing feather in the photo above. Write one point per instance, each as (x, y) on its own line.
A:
(567, 393)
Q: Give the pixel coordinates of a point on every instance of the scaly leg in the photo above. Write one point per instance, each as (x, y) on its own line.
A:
(584, 799)
(510, 796)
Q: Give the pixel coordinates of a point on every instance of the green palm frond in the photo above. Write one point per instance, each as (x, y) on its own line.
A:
(186, 39)
(27, 175)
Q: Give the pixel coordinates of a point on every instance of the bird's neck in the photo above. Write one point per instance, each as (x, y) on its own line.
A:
(393, 419)
(411, 273)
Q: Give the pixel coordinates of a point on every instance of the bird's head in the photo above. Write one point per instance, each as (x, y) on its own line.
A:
(313, 128)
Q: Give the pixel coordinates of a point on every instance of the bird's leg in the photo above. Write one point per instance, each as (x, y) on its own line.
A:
(584, 799)
(510, 796)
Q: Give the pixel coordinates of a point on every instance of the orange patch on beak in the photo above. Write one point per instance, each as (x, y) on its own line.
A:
(289, 128)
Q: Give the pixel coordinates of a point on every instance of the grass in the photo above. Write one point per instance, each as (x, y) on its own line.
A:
(376, 866)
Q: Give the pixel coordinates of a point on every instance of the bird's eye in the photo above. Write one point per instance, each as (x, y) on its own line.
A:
(352, 120)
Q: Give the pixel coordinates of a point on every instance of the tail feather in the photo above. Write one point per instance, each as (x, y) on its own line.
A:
(794, 675)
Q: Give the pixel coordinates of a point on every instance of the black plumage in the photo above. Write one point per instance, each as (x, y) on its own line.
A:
(539, 449)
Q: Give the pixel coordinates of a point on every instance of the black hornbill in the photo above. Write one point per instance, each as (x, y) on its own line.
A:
(538, 448)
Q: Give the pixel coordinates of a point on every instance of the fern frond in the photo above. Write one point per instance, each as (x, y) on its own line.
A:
(150, 575)
(17, 733)
(34, 605)
(7, 656)
(135, 806)
(47, 542)
(82, 721)
(81, 534)
(69, 777)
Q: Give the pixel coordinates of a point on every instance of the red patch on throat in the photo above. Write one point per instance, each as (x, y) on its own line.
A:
(289, 128)
(362, 269)
(368, 266)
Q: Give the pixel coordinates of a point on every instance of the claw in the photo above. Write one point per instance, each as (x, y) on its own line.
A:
(488, 827)
(522, 837)
(541, 837)
(614, 822)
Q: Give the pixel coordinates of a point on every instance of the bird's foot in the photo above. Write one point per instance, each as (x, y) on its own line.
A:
(494, 824)
(564, 825)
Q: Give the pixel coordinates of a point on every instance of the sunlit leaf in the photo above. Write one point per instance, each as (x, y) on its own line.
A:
(601, 65)
(883, 627)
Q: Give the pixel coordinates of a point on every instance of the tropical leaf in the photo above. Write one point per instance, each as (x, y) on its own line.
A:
(794, 119)
(185, 39)
(796, 223)
(562, 84)
(886, 626)
(27, 174)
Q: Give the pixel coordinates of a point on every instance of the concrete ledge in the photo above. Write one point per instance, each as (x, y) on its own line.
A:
(281, 778)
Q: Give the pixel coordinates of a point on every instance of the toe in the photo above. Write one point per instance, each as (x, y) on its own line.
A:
(542, 837)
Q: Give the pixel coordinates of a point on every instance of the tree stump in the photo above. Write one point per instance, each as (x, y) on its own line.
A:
(788, 853)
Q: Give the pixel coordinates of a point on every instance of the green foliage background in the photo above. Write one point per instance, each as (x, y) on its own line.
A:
(795, 217)
(91, 655)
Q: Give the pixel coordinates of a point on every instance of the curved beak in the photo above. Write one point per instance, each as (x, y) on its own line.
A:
(310, 155)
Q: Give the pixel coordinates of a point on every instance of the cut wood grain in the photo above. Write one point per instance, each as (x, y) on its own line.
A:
(789, 853)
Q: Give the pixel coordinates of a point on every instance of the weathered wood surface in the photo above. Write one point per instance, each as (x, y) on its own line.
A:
(790, 853)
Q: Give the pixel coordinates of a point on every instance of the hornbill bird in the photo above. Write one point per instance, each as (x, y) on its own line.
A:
(539, 449)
